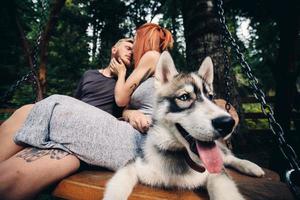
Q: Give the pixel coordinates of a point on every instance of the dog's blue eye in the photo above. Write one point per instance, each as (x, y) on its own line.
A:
(184, 97)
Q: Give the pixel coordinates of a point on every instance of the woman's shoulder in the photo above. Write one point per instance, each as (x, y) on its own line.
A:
(150, 58)
(152, 54)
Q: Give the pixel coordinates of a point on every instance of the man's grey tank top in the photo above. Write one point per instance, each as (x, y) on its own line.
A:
(142, 98)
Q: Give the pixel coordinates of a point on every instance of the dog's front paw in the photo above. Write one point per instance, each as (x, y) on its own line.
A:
(251, 168)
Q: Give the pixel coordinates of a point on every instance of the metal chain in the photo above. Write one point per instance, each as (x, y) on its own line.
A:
(12, 88)
(228, 83)
(287, 151)
(32, 75)
(35, 50)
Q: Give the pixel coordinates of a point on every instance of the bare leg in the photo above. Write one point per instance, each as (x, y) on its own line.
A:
(25, 174)
(7, 130)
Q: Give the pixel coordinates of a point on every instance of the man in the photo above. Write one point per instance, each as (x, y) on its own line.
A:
(96, 87)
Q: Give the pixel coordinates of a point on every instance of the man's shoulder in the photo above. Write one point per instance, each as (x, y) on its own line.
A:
(96, 75)
(91, 71)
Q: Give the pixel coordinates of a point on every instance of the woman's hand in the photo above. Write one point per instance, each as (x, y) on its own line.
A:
(117, 67)
(137, 119)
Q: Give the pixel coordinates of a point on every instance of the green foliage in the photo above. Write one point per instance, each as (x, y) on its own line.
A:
(173, 21)
(86, 30)
(68, 50)
(24, 94)
(11, 61)
(263, 43)
(254, 123)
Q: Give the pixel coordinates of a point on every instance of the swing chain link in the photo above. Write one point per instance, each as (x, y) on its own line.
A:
(286, 150)
(228, 83)
(13, 88)
(30, 77)
(35, 49)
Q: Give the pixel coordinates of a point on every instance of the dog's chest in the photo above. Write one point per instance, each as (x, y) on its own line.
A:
(172, 162)
(170, 170)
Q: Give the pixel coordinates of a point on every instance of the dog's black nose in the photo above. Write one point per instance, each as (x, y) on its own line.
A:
(223, 125)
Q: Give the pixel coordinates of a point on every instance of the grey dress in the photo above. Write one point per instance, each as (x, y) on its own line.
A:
(94, 136)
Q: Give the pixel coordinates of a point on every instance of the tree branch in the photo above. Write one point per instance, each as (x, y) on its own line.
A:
(26, 48)
(58, 5)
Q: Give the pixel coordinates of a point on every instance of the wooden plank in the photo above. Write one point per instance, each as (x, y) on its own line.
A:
(90, 185)
(252, 99)
(249, 115)
(254, 116)
(265, 131)
(7, 110)
(265, 190)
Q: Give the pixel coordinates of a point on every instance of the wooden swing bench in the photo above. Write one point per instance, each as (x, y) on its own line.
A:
(90, 185)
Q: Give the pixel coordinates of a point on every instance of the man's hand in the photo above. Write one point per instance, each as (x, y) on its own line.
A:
(117, 67)
(137, 119)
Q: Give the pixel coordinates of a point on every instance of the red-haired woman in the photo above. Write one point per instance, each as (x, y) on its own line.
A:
(150, 41)
(53, 136)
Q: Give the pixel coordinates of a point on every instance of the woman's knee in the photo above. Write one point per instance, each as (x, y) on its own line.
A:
(24, 110)
(8, 130)
(19, 116)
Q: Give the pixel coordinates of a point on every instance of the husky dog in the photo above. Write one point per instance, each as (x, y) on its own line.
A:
(181, 150)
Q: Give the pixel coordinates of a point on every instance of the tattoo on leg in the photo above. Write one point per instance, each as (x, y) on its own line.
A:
(32, 154)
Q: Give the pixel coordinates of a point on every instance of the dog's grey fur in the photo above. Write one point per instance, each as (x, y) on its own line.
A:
(180, 99)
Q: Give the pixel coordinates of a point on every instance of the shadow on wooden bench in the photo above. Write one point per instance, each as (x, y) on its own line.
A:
(90, 184)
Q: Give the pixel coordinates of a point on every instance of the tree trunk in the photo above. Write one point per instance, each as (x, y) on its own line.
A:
(202, 35)
(44, 46)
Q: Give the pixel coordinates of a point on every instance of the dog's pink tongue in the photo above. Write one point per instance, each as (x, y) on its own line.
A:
(210, 156)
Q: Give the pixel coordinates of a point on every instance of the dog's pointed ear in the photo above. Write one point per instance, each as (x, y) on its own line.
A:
(206, 70)
(165, 68)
